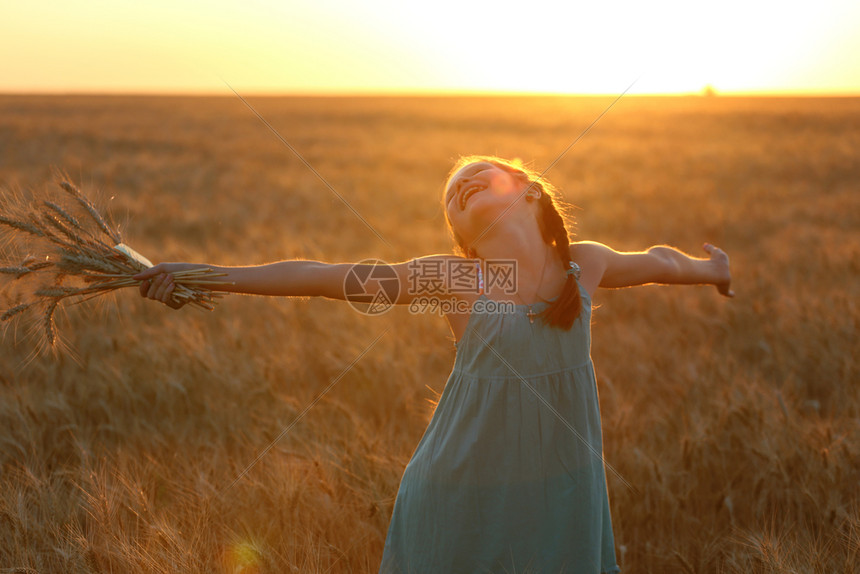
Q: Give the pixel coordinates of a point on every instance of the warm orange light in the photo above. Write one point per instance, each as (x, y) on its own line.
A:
(443, 46)
(243, 557)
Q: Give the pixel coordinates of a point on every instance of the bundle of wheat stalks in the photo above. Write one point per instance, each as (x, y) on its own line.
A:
(69, 253)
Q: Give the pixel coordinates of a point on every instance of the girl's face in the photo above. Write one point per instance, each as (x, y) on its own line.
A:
(477, 195)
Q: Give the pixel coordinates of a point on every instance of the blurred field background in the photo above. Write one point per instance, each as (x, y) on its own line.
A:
(738, 421)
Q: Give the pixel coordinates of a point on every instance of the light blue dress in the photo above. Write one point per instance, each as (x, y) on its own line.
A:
(504, 480)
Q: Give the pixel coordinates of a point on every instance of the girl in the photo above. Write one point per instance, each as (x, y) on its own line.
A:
(509, 475)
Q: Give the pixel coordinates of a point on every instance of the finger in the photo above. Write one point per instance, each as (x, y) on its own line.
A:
(711, 249)
(165, 286)
(726, 290)
(154, 285)
(144, 288)
(148, 273)
(165, 293)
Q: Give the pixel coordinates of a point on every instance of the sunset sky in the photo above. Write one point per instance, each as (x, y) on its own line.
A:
(382, 46)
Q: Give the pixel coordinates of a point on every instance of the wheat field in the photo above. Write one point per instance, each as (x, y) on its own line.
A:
(149, 444)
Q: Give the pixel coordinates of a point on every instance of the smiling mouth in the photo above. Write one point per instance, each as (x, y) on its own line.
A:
(469, 193)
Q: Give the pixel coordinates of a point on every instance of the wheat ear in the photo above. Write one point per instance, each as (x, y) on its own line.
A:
(82, 200)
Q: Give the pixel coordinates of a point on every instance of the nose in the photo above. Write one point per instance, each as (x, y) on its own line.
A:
(462, 184)
(465, 182)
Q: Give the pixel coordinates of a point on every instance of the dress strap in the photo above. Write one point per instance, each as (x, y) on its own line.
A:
(574, 270)
(480, 276)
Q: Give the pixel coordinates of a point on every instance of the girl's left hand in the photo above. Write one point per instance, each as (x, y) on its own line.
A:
(722, 273)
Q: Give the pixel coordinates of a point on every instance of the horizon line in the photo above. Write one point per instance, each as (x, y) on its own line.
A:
(707, 92)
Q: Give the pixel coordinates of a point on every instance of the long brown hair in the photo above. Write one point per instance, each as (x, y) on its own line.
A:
(564, 311)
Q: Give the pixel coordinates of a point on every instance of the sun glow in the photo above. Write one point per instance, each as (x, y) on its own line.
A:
(243, 557)
(377, 46)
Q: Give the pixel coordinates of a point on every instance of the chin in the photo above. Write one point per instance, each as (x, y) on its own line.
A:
(485, 212)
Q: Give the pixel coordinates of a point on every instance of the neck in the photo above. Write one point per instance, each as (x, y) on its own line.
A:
(523, 243)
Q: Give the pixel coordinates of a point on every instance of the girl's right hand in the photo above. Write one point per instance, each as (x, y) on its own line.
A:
(157, 283)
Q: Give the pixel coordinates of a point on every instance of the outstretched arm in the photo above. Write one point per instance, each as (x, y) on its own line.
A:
(297, 278)
(294, 278)
(602, 266)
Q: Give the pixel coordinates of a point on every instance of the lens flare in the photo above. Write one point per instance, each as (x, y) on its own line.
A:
(243, 557)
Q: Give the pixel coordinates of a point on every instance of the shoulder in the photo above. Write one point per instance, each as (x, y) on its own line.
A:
(592, 258)
(588, 249)
(590, 253)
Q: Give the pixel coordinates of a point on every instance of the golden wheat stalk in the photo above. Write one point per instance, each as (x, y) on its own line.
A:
(82, 200)
(76, 255)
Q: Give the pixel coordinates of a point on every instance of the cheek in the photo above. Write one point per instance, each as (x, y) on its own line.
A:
(454, 219)
(458, 223)
(504, 184)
